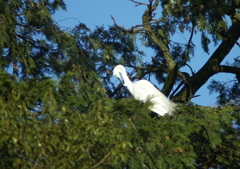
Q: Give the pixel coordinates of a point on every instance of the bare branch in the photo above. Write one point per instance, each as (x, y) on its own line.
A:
(134, 29)
(139, 3)
(191, 36)
(160, 20)
(116, 90)
(190, 68)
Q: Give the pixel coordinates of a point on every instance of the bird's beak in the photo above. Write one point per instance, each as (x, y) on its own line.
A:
(120, 78)
(122, 82)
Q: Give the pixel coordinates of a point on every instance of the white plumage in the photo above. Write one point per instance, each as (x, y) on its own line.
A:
(143, 90)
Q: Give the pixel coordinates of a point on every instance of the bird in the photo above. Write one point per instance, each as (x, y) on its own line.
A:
(143, 90)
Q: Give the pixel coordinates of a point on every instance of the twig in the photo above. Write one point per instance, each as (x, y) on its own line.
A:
(238, 44)
(190, 68)
(136, 29)
(132, 124)
(102, 160)
(190, 39)
(132, 30)
(139, 3)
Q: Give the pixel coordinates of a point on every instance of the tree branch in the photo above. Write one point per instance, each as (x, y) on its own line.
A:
(229, 69)
(212, 66)
(134, 29)
(238, 44)
(139, 3)
(170, 81)
(146, 19)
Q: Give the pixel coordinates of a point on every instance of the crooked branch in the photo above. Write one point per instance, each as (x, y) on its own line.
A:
(134, 29)
(139, 3)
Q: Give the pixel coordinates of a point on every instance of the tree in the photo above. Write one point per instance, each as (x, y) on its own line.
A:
(211, 19)
(60, 109)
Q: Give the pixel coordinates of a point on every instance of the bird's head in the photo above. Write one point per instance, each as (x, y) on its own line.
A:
(118, 70)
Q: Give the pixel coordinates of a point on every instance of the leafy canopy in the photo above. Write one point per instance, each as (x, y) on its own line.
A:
(59, 107)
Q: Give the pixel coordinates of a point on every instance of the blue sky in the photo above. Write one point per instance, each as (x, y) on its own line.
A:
(97, 13)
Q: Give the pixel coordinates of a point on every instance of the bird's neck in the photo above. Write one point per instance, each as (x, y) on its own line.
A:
(126, 79)
(128, 83)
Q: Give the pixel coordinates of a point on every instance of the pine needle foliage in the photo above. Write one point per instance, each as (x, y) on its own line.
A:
(113, 134)
(60, 109)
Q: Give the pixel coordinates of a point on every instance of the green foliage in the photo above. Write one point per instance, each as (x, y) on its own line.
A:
(59, 109)
(207, 16)
(61, 139)
(188, 139)
(228, 91)
(31, 43)
(116, 134)
(205, 42)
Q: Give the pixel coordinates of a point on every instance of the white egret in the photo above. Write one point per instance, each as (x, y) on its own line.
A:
(143, 90)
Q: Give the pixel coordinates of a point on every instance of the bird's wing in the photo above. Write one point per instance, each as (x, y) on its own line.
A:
(144, 90)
